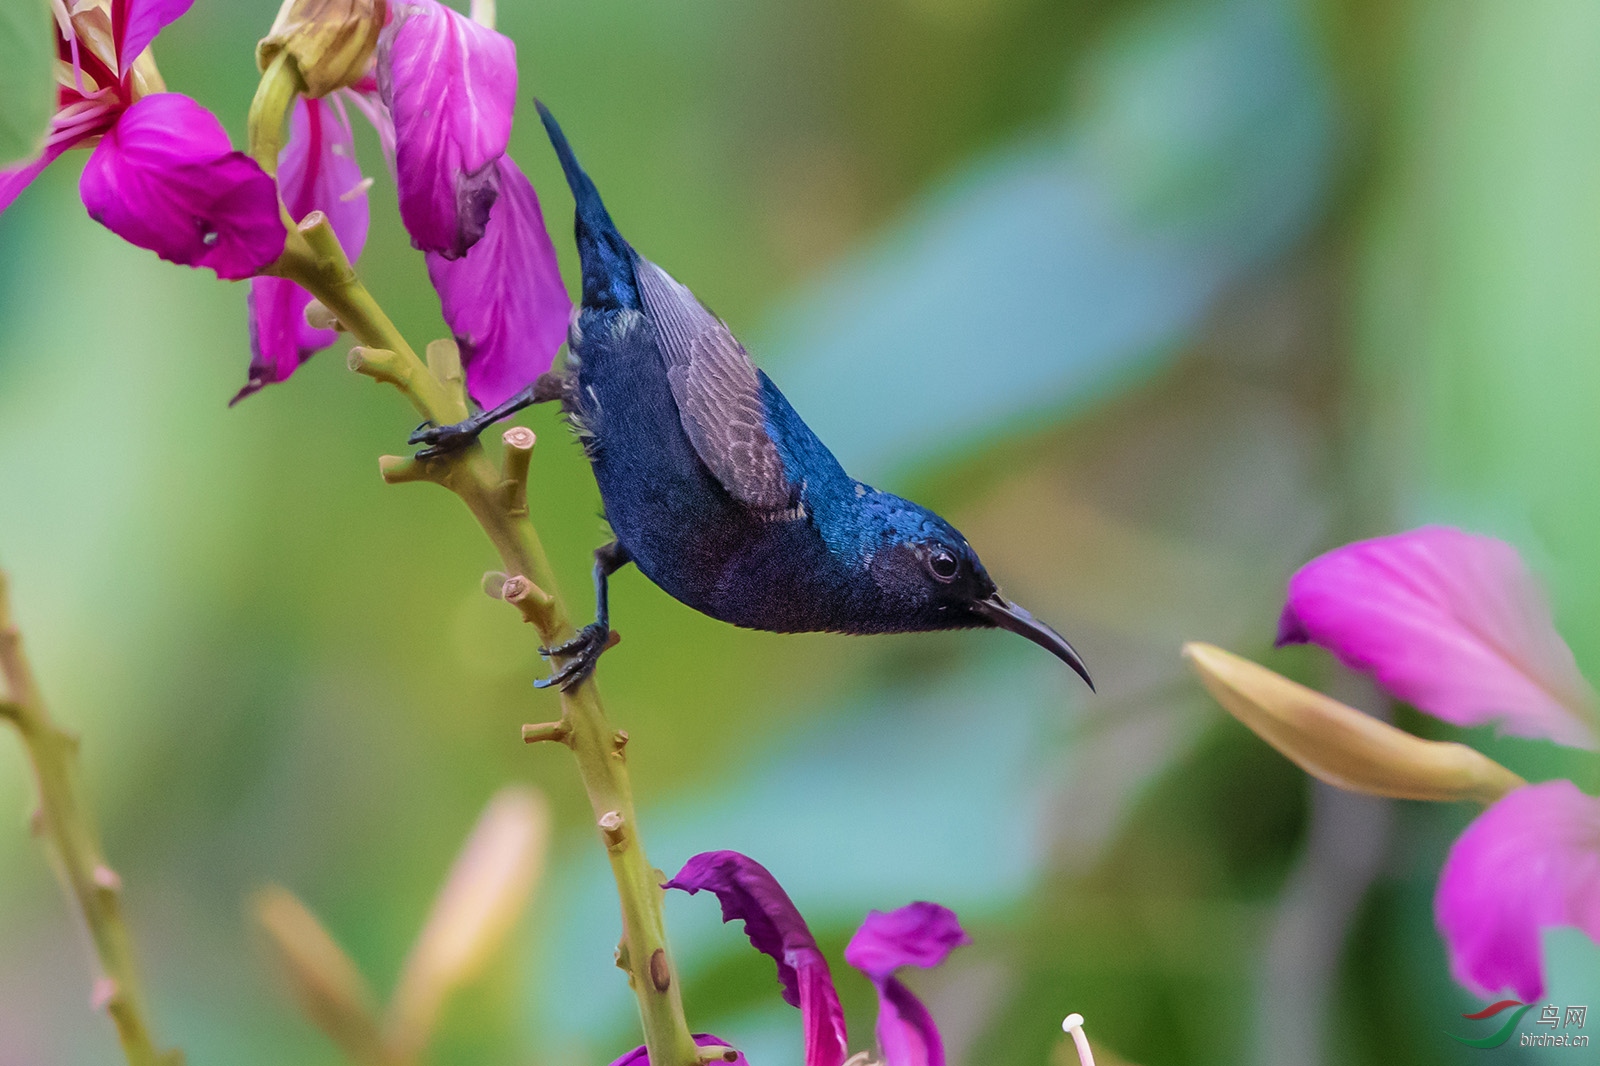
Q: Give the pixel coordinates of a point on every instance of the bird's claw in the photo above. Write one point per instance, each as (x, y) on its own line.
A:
(442, 440)
(582, 652)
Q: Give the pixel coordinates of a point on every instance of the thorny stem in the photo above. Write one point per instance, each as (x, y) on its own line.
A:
(66, 822)
(497, 497)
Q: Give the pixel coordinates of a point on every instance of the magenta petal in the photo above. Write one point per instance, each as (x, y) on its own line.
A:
(280, 340)
(316, 172)
(451, 87)
(906, 1033)
(14, 179)
(505, 301)
(918, 934)
(164, 178)
(1529, 862)
(1450, 622)
(750, 893)
(135, 24)
(638, 1056)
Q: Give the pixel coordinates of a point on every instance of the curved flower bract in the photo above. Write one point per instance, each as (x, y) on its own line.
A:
(451, 87)
(1529, 862)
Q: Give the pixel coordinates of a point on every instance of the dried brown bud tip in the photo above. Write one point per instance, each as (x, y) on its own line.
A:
(330, 41)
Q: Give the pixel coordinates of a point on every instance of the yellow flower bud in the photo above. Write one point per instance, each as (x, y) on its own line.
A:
(330, 41)
(1341, 745)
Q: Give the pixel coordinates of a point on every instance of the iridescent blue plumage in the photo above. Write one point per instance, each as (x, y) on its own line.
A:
(717, 489)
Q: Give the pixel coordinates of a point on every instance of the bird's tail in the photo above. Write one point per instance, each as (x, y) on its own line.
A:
(606, 258)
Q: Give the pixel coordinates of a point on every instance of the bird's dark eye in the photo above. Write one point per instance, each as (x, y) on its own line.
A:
(943, 564)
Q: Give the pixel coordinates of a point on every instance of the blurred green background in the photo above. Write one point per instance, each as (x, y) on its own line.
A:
(1153, 298)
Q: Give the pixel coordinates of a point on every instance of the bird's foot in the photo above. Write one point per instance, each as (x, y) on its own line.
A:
(442, 440)
(582, 652)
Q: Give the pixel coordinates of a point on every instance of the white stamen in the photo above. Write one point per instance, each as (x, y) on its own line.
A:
(1073, 1023)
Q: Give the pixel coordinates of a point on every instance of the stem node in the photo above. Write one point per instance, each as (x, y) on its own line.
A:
(559, 732)
(534, 602)
(402, 470)
(613, 829)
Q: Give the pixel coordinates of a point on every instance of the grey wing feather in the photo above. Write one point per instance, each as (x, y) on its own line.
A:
(717, 391)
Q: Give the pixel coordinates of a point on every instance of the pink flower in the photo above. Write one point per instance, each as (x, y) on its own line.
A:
(919, 934)
(1529, 862)
(1454, 624)
(449, 89)
(162, 174)
(317, 171)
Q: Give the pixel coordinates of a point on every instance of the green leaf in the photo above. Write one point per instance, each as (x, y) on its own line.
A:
(27, 78)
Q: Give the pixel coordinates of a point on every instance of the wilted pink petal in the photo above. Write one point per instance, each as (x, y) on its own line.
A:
(280, 340)
(135, 23)
(1529, 862)
(1450, 622)
(918, 934)
(750, 893)
(165, 178)
(505, 301)
(316, 172)
(638, 1056)
(450, 86)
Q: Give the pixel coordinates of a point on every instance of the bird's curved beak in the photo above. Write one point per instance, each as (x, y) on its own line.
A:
(1010, 616)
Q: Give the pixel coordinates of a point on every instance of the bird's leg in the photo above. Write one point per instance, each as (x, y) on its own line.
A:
(584, 649)
(443, 439)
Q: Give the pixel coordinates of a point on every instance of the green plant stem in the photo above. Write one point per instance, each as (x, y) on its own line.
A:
(67, 824)
(496, 495)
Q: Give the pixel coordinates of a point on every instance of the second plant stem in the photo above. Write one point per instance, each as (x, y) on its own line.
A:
(68, 826)
(496, 495)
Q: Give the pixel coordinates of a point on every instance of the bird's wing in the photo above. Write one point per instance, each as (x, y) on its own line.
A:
(718, 393)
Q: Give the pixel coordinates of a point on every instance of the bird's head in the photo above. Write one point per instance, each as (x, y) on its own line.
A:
(930, 578)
